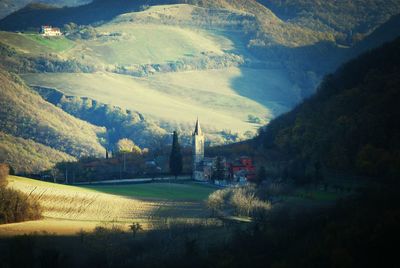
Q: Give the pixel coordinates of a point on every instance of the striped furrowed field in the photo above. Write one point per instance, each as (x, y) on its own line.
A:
(69, 209)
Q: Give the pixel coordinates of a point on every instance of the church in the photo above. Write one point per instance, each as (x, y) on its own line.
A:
(238, 171)
(198, 153)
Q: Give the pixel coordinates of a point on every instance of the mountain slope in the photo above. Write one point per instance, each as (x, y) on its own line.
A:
(385, 33)
(349, 20)
(307, 22)
(23, 113)
(352, 123)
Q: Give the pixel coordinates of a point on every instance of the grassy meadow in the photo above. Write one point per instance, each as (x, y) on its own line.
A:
(143, 44)
(223, 99)
(35, 44)
(161, 191)
(68, 209)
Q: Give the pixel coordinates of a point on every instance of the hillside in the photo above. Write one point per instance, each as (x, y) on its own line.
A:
(27, 156)
(291, 23)
(174, 74)
(349, 21)
(70, 209)
(173, 98)
(24, 114)
(9, 6)
(352, 122)
(227, 62)
(385, 33)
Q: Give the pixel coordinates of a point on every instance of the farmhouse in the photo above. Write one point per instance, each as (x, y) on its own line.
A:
(47, 30)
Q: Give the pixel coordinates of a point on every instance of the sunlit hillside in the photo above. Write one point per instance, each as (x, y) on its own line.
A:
(69, 209)
(223, 99)
(26, 155)
(170, 73)
(24, 114)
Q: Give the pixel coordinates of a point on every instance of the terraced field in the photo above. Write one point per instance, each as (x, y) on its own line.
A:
(68, 209)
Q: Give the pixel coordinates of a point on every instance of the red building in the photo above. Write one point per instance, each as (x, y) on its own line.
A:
(242, 167)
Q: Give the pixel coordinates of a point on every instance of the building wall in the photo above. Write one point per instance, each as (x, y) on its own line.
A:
(50, 31)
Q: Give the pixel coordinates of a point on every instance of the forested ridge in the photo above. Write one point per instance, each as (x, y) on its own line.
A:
(351, 124)
(290, 23)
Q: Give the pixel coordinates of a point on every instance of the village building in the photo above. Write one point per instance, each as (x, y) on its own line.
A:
(242, 169)
(47, 30)
(239, 171)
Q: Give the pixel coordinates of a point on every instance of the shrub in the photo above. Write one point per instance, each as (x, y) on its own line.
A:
(16, 206)
(4, 171)
(217, 199)
(241, 201)
(246, 203)
(135, 228)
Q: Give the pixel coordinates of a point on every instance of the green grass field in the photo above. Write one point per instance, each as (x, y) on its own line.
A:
(142, 44)
(165, 191)
(57, 44)
(69, 209)
(35, 44)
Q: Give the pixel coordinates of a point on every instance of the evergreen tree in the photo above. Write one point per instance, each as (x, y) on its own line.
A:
(175, 159)
(261, 175)
(219, 173)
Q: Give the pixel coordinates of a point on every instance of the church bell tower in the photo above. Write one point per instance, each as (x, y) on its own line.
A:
(197, 146)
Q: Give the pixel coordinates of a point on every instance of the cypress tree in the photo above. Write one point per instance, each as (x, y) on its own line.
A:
(261, 175)
(219, 173)
(175, 159)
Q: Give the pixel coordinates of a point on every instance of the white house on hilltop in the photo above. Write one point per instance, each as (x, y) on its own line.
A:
(47, 30)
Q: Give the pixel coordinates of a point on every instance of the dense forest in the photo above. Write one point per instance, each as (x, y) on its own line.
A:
(350, 124)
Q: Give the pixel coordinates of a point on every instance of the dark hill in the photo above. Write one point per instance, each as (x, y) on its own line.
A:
(351, 124)
(357, 18)
(385, 33)
(35, 15)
